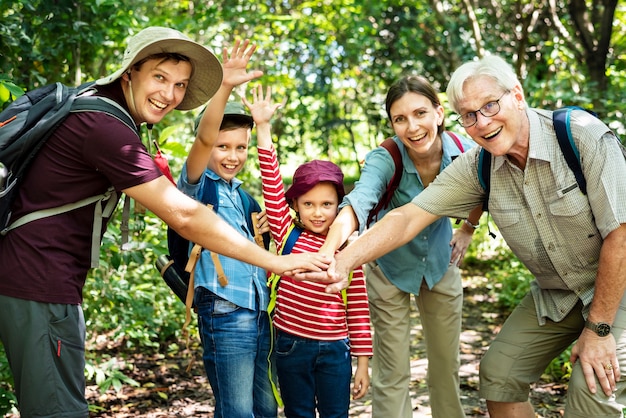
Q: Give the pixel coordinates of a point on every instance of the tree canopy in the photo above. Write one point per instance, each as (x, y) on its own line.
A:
(332, 60)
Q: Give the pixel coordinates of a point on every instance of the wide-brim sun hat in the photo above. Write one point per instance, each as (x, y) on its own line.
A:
(206, 72)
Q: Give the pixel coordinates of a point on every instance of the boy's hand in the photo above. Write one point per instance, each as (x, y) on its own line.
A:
(234, 67)
(262, 223)
(261, 107)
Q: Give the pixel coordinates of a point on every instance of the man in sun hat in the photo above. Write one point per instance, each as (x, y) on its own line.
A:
(45, 262)
(206, 70)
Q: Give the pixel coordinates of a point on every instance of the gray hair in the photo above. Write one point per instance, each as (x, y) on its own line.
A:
(490, 66)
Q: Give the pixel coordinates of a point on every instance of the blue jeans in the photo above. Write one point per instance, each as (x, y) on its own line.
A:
(236, 343)
(313, 374)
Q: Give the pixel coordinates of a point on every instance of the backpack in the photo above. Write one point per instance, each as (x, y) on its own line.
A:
(25, 125)
(390, 145)
(172, 266)
(561, 120)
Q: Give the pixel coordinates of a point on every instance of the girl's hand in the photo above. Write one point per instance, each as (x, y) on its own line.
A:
(261, 108)
(361, 379)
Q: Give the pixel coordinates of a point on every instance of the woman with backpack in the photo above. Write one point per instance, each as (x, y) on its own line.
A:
(425, 267)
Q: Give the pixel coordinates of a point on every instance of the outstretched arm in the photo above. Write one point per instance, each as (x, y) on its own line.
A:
(235, 73)
(201, 225)
(395, 229)
(342, 227)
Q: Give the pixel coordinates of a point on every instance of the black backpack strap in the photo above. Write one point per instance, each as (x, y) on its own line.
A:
(484, 175)
(102, 104)
(391, 147)
(561, 119)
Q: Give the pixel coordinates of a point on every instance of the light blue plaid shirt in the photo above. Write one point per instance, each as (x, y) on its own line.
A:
(246, 282)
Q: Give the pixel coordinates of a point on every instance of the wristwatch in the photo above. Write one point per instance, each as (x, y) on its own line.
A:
(601, 328)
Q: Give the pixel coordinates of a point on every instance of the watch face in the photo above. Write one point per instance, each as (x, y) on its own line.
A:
(603, 329)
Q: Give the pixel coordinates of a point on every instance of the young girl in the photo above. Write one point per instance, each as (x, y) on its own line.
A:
(316, 332)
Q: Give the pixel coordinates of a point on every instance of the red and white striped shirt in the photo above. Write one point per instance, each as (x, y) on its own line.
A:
(303, 308)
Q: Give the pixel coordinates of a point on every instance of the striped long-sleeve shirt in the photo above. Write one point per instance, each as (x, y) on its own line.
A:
(303, 308)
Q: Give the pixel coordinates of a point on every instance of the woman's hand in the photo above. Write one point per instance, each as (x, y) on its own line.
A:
(460, 241)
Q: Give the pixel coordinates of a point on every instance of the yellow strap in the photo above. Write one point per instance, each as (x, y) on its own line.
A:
(272, 281)
(344, 294)
(277, 396)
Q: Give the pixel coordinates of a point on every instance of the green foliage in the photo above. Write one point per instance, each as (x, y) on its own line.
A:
(126, 299)
(109, 375)
(8, 400)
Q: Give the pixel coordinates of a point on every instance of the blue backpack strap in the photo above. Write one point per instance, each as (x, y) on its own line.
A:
(291, 239)
(561, 119)
(484, 175)
(209, 194)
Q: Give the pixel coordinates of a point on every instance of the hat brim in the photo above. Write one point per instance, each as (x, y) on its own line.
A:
(239, 117)
(206, 73)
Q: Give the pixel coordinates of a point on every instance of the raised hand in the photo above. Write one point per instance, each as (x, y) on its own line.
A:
(261, 108)
(234, 64)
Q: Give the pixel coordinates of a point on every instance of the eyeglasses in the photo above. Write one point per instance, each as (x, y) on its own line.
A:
(490, 109)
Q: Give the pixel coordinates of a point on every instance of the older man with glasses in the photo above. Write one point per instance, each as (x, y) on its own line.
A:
(573, 243)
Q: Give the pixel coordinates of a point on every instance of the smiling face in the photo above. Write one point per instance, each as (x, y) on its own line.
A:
(415, 120)
(506, 132)
(317, 208)
(156, 88)
(230, 152)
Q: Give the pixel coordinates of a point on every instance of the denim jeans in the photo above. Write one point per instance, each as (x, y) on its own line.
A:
(313, 374)
(236, 343)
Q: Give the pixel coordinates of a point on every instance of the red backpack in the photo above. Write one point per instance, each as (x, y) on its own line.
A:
(390, 145)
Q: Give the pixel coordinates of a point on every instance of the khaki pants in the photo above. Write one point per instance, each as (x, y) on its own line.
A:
(440, 311)
(522, 350)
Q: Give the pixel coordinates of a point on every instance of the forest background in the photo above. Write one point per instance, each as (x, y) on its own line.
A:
(332, 62)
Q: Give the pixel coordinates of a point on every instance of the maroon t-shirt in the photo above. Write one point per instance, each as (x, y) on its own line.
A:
(47, 260)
